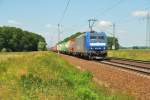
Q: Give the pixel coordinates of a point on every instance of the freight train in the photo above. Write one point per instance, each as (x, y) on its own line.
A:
(89, 45)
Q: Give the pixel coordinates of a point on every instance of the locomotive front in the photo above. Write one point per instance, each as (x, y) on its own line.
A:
(96, 42)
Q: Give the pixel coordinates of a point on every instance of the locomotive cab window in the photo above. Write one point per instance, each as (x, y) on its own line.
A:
(96, 38)
(93, 37)
(101, 37)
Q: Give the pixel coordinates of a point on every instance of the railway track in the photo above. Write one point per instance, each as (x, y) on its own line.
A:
(139, 66)
(125, 59)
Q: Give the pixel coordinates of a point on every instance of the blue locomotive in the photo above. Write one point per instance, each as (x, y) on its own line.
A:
(91, 45)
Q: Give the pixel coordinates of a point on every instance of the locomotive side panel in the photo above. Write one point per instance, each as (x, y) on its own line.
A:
(80, 44)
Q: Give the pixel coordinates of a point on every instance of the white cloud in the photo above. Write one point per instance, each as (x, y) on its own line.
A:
(13, 22)
(140, 13)
(103, 24)
(50, 26)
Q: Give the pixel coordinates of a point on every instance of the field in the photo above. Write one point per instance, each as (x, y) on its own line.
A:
(45, 76)
(131, 54)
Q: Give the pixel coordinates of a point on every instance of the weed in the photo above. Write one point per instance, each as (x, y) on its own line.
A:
(44, 75)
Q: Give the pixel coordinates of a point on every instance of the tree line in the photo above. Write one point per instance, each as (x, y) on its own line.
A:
(16, 40)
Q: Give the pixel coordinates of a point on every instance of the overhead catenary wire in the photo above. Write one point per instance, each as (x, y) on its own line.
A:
(116, 4)
(103, 12)
(129, 20)
(147, 18)
(64, 12)
(61, 19)
(111, 7)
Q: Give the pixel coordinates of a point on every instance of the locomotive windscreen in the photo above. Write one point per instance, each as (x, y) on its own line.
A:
(96, 38)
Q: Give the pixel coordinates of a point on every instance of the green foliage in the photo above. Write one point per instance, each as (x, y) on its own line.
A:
(135, 47)
(15, 39)
(30, 80)
(110, 42)
(4, 50)
(3, 68)
(137, 54)
(41, 46)
(44, 75)
(87, 94)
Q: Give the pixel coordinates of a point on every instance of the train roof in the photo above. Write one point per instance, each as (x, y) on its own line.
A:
(78, 34)
(71, 37)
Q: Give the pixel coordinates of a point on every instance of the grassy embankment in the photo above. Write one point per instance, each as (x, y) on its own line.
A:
(45, 76)
(131, 54)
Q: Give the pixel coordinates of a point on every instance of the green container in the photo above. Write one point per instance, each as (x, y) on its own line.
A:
(63, 46)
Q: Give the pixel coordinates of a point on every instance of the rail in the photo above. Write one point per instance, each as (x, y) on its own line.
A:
(130, 64)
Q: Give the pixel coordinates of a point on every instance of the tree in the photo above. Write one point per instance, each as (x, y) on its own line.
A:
(16, 39)
(41, 46)
(1, 41)
(110, 43)
(135, 47)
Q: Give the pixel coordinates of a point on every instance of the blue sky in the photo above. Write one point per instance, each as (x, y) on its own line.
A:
(42, 16)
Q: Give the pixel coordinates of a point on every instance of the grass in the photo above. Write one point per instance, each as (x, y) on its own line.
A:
(131, 54)
(45, 76)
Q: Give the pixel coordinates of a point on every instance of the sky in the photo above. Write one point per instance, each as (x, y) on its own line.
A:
(42, 17)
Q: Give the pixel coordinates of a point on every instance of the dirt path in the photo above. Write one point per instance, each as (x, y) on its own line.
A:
(131, 82)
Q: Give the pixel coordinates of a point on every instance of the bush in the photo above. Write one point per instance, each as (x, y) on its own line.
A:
(86, 94)
(41, 46)
(4, 50)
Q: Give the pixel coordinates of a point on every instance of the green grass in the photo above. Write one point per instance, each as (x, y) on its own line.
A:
(45, 76)
(131, 54)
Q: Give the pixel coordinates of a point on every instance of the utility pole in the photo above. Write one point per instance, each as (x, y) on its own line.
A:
(91, 24)
(114, 40)
(58, 36)
(148, 30)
